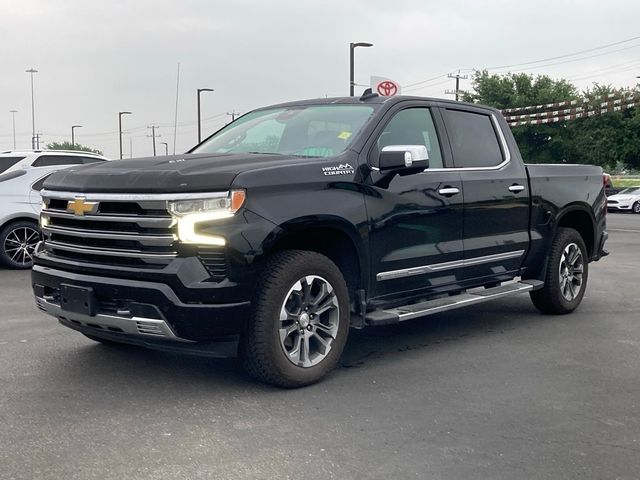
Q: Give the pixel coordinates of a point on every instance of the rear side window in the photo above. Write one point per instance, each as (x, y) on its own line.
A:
(8, 162)
(53, 160)
(473, 139)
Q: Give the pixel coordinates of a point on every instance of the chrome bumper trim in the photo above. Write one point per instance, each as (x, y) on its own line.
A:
(135, 326)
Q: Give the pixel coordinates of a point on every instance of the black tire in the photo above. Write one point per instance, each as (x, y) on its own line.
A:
(14, 253)
(635, 208)
(552, 299)
(263, 354)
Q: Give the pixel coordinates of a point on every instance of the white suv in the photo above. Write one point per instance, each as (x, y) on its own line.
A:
(21, 177)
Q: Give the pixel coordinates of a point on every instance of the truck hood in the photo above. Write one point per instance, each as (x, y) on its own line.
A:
(166, 174)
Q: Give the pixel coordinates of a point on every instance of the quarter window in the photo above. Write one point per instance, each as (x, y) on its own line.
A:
(473, 139)
(8, 162)
(39, 184)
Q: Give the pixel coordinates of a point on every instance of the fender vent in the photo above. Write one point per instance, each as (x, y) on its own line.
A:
(215, 261)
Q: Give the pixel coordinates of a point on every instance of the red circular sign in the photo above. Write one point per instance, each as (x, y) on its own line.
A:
(387, 88)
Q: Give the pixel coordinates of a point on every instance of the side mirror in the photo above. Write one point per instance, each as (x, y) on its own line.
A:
(400, 157)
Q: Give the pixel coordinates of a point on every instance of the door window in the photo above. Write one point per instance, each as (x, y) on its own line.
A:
(473, 139)
(413, 126)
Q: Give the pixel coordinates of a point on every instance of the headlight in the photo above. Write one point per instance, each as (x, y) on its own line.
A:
(188, 213)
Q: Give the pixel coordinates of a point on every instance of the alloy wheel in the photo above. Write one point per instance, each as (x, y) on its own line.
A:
(571, 271)
(309, 320)
(20, 243)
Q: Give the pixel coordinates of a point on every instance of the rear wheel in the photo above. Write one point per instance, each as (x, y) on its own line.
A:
(300, 322)
(18, 241)
(567, 273)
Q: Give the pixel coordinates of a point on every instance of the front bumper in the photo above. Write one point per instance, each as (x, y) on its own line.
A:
(141, 311)
(618, 207)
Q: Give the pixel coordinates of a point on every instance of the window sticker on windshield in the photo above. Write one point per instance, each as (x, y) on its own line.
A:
(344, 135)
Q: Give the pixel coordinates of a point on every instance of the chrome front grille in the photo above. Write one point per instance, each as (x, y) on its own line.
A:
(125, 230)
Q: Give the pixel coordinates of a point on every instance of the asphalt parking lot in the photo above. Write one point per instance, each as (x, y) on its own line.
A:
(497, 391)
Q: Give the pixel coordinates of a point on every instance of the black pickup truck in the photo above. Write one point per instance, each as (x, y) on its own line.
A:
(295, 222)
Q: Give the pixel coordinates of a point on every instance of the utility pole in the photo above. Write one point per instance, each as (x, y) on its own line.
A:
(166, 147)
(233, 115)
(33, 110)
(36, 138)
(153, 135)
(457, 91)
(73, 138)
(13, 114)
(120, 129)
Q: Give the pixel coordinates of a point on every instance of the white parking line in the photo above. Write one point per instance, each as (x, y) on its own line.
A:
(622, 230)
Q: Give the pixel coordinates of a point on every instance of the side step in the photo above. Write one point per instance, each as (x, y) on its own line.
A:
(470, 297)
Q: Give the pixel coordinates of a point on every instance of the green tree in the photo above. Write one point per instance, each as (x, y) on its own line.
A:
(70, 146)
(604, 140)
(610, 138)
(545, 143)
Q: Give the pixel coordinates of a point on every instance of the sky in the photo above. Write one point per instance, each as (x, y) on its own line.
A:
(96, 58)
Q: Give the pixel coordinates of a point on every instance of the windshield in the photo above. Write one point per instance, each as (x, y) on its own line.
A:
(306, 131)
(629, 191)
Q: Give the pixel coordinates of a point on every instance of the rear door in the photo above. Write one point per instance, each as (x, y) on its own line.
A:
(496, 196)
(415, 221)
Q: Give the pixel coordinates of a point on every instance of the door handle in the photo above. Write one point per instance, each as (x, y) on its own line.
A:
(448, 191)
(516, 188)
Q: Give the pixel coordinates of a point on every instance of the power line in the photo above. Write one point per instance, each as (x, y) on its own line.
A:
(576, 59)
(566, 55)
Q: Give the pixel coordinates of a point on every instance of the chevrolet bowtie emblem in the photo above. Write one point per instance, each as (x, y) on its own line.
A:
(80, 206)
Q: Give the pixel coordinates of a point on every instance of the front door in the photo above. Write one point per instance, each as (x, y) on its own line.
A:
(415, 221)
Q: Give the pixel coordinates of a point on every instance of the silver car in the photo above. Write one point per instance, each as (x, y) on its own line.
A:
(21, 177)
(625, 200)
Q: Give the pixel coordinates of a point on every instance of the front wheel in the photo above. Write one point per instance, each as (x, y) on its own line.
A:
(636, 207)
(18, 241)
(567, 272)
(300, 321)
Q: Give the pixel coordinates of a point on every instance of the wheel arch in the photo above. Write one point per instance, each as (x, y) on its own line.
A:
(580, 218)
(19, 217)
(331, 236)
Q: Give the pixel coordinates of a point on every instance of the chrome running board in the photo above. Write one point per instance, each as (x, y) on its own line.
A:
(470, 297)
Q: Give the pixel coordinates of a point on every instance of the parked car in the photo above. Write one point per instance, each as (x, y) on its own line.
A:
(15, 160)
(300, 220)
(626, 200)
(21, 177)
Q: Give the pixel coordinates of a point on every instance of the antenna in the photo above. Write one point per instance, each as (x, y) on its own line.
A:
(367, 94)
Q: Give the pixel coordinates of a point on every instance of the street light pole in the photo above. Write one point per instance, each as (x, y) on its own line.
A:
(13, 114)
(166, 147)
(33, 115)
(73, 138)
(200, 90)
(352, 47)
(120, 129)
